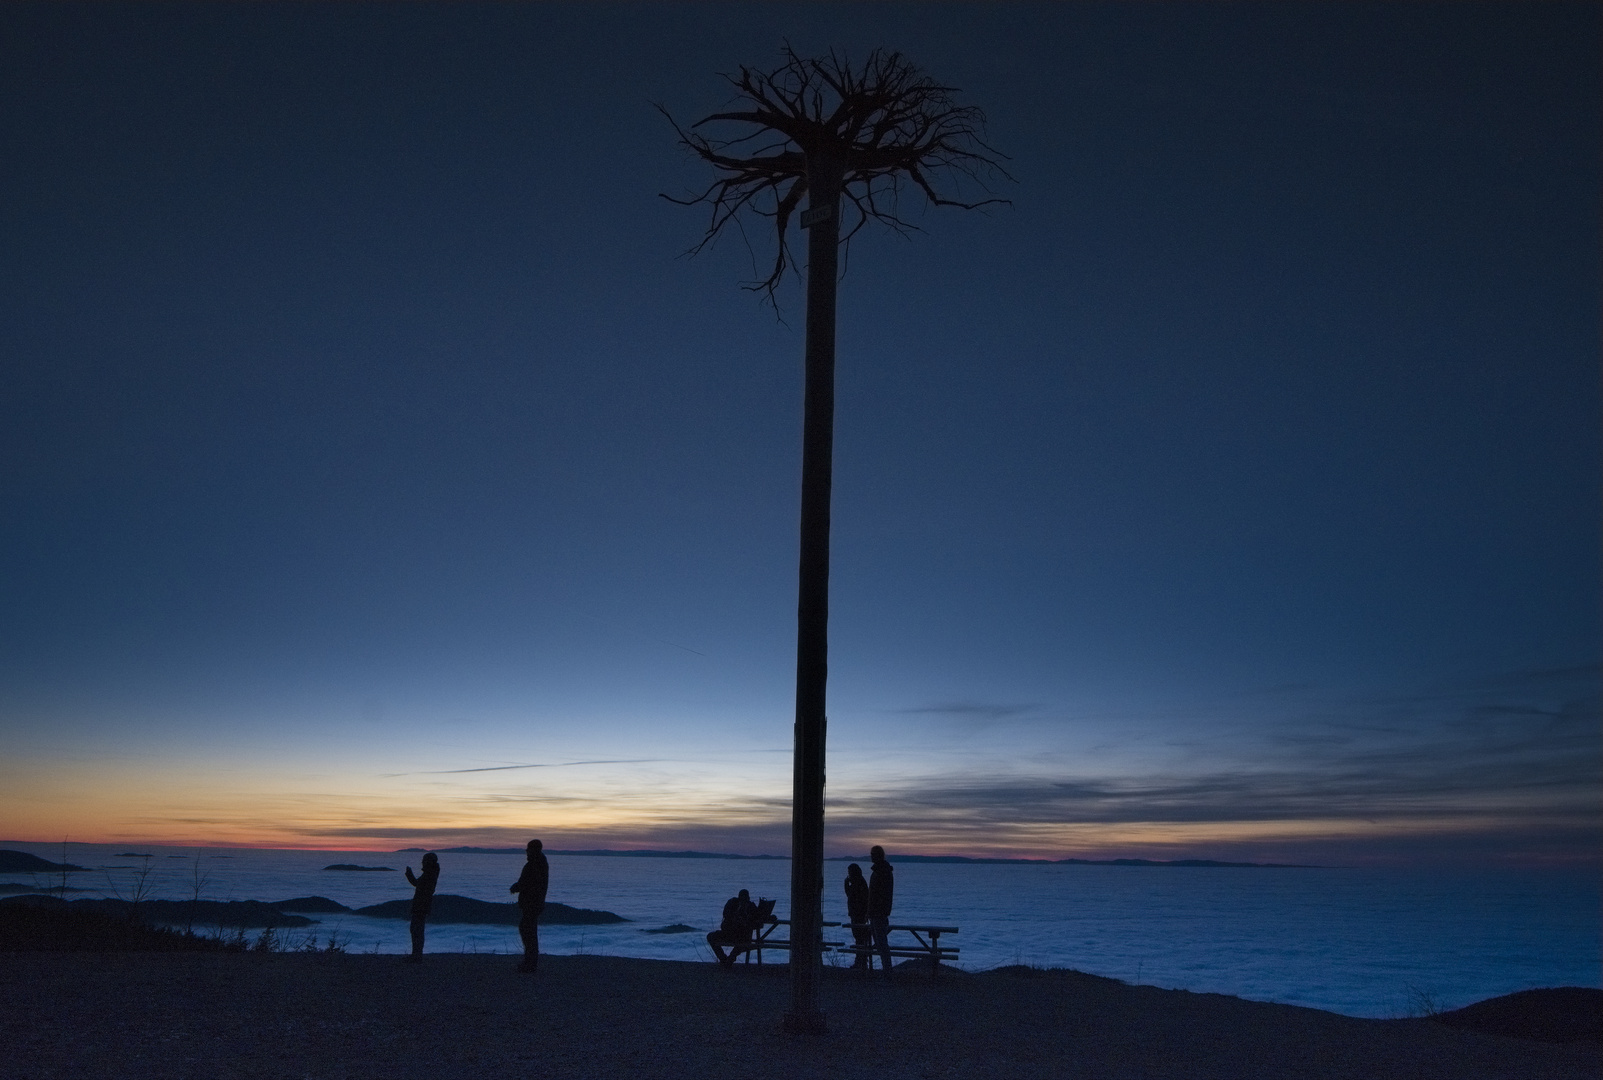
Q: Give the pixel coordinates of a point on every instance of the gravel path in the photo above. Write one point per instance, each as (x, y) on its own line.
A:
(178, 1015)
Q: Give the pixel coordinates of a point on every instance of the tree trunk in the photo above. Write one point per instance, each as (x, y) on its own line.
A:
(812, 609)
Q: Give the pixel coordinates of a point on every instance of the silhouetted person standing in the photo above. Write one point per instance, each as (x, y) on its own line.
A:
(881, 885)
(422, 900)
(531, 889)
(857, 915)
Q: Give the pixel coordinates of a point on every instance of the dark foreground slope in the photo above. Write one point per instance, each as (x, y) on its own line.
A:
(1556, 1014)
(178, 1015)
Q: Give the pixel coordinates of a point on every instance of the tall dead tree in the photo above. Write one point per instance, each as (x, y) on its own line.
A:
(824, 130)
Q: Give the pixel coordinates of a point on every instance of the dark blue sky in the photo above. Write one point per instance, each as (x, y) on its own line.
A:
(1235, 490)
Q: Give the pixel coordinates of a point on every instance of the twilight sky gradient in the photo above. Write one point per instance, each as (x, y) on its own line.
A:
(375, 471)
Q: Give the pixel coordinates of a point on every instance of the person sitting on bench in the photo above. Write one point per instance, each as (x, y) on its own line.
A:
(742, 918)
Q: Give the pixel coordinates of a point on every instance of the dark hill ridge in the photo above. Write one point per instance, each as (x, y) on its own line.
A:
(317, 905)
(1555, 1014)
(448, 908)
(20, 862)
(255, 915)
(63, 928)
(358, 869)
(233, 914)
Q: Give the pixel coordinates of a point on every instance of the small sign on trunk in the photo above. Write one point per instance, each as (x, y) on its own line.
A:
(813, 216)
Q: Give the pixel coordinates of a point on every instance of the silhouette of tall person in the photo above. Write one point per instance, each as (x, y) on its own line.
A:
(881, 886)
(857, 915)
(531, 889)
(422, 900)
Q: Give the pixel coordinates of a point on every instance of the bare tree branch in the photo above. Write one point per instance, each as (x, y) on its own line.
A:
(885, 124)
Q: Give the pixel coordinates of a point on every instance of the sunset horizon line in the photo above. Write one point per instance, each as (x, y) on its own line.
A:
(1154, 854)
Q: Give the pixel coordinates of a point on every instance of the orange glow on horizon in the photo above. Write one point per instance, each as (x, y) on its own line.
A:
(172, 805)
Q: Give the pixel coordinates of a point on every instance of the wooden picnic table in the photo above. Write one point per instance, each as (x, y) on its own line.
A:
(762, 939)
(929, 944)
(928, 937)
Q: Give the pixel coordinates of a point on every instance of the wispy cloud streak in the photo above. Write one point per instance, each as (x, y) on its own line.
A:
(1520, 747)
(533, 765)
(972, 710)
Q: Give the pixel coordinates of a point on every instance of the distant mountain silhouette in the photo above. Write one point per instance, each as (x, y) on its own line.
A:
(648, 853)
(634, 853)
(464, 909)
(1075, 862)
(353, 866)
(20, 862)
(254, 914)
(944, 859)
(1186, 862)
(234, 914)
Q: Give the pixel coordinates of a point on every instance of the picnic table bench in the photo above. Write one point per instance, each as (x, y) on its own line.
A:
(928, 948)
(928, 937)
(762, 939)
